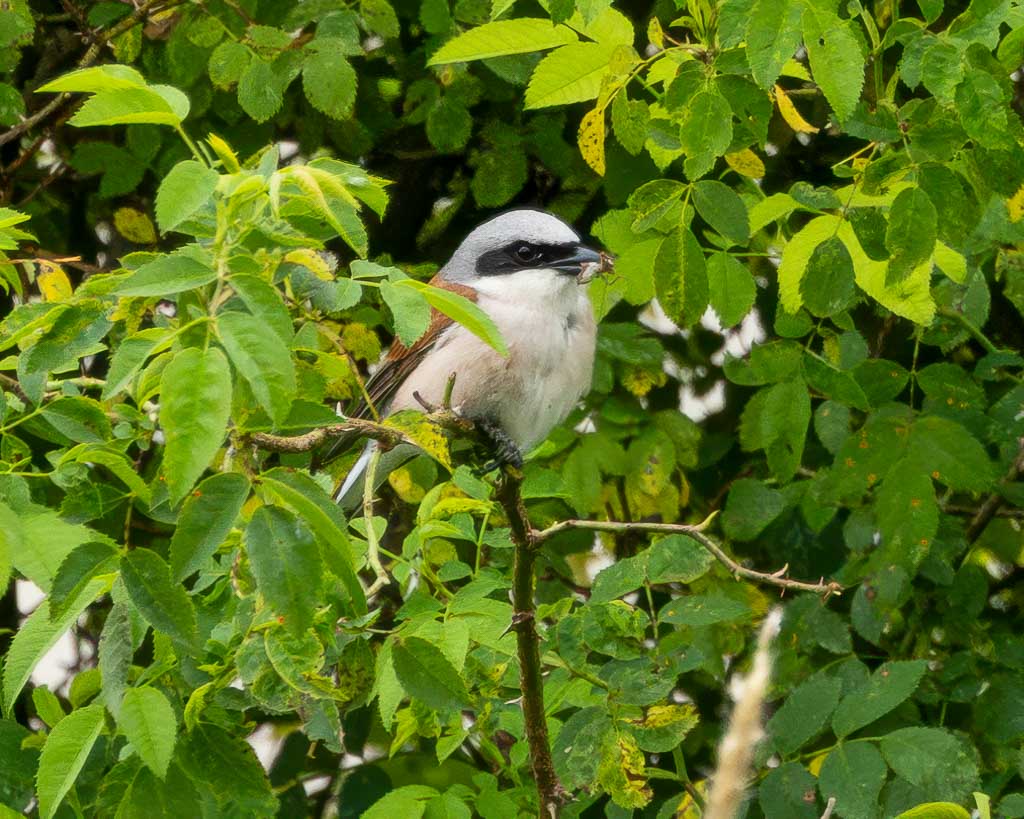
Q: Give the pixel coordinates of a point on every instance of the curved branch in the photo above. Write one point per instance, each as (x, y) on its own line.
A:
(696, 532)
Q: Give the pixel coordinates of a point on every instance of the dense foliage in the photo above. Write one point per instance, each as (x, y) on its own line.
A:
(214, 227)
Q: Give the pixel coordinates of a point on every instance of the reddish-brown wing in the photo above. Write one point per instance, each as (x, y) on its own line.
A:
(401, 360)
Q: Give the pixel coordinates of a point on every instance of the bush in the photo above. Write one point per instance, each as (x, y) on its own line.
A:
(810, 346)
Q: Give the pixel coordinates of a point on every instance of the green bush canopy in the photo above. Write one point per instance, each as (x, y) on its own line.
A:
(216, 214)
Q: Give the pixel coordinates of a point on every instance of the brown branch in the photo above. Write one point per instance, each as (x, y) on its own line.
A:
(696, 533)
(311, 440)
(993, 503)
(549, 789)
(90, 56)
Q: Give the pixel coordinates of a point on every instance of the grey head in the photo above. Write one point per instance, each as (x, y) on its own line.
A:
(519, 240)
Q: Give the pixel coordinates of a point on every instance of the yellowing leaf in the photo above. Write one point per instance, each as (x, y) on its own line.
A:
(312, 261)
(746, 163)
(591, 139)
(791, 115)
(911, 297)
(53, 281)
(1015, 205)
(135, 226)
(655, 34)
(224, 153)
(950, 262)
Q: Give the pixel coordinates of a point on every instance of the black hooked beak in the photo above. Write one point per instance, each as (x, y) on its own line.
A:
(578, 256)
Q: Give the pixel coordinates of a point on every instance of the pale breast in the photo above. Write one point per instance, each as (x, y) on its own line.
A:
(548, 369)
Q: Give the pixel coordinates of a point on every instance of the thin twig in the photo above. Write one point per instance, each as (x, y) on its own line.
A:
(372, 546)
(697, 533)
(829, 807)
(90, 56)
(994, 502)
(311, 440)
(549, 789)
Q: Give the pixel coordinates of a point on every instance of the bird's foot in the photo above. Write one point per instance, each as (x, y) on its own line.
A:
(506, 450)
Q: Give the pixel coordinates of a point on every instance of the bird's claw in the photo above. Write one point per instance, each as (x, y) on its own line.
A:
(506, 451)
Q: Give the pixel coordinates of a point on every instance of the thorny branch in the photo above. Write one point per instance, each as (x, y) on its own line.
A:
(527, 542)
(696, 532)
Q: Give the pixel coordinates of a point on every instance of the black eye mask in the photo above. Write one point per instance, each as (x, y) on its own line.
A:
(567, 257)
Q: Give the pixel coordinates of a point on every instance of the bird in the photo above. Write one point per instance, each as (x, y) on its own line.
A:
(527, 270)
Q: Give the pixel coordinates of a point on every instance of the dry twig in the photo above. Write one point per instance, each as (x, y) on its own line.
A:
(697, 533)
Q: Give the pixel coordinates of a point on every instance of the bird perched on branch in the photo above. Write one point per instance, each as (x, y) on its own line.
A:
(526, 270)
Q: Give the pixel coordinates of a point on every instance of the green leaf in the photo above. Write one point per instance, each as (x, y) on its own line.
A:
(259, 93)
(783, 792)
(703, 610)
(228, 62)
(449, 125)
(680, 278)
(263, 300)
(931, 758)
(773, 34)
(983, 109)
(47, 706)
(115, 656)
(78, 570)
(621, 577)
(705, 132)
(836, 56)
(721, 207)
(652, 201)
(184, 269)
(827, 286)
(329, 81)
(80, 419)
(195, 403)
(888, 686)
(503, 37)
(163, 603)
(407, 801)
(262, 359)
(853, 773)
(677, 559)
(318, 509)
(797, 255)
(39, 541)
(37, 635)
(426, 674)
(148, 721)
(96, 79)
(409, 309)
(750, 507)
(157, 105)
(187, 187)
(910, 236)
(286, 562)
(129, 357)
(950, 454)
(228, 768)
(907, 513)
(629, 122)
(462, 310)
(64, 754)
(572, 73)
(731, 288)
(205, 520)
(805, 714)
